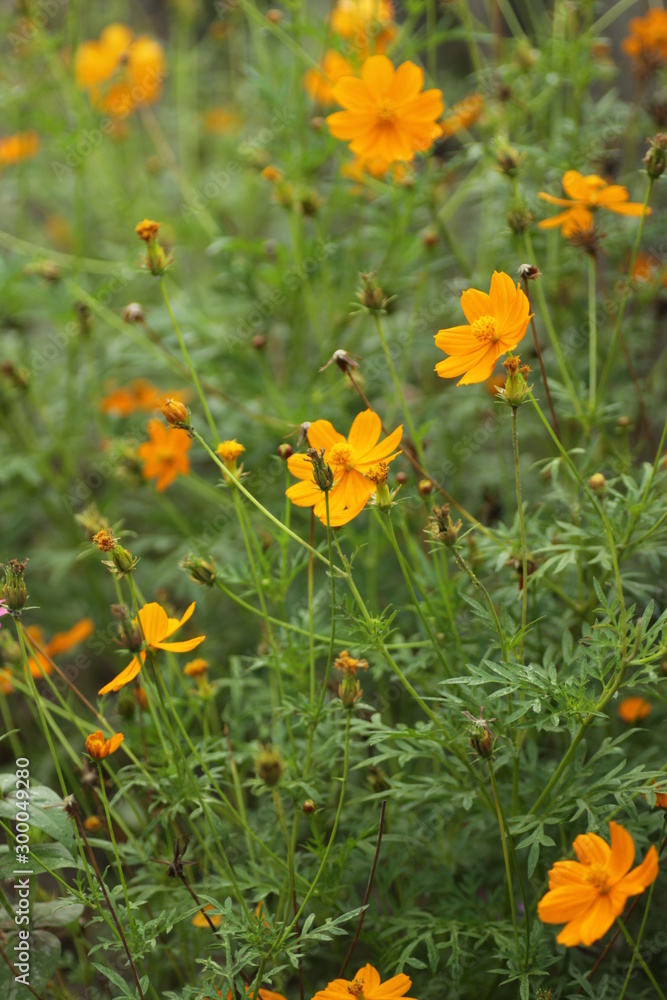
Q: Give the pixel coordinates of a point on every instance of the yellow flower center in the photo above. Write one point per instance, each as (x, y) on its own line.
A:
(385, 113)
(598, 876)
(342, 454)
(356, 988)
(485, 329)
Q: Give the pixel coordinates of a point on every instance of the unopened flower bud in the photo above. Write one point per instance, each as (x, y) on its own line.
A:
(371, 295)
(259, 342)
(378, 474)
(441, 526)
(597, 482)
(285, 450)
(322, 473)
(309, 807)
(274, 16)
(14, 591)
(430, 238)
(401, 478)
(269, 766)
(229, 452)
(176, 413)
(655, 159)
(508, 161)
(425, 487)
(156, 260)
(480, 737)
(516, 389)
(202, 571)
(519, 220)
(92, 824)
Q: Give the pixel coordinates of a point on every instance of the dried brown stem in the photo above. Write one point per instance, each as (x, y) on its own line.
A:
(367, 894)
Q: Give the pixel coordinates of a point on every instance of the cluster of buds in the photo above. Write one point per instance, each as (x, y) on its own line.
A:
(371, 296)
(480, 736)
(516, 388)
(14, 592)
(441, 527)
(655, 159)
(269, 766)
(176, 414)
(322, 473)
(156, 259)
(349, 688)
(121, 561)
(202, 571)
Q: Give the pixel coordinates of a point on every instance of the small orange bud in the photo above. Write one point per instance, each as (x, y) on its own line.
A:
(176, 413)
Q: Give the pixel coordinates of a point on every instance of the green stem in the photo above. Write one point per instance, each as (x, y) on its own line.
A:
(506, 858)
(186, 356)
(626, 934)
(522, 527)
(635, 952)
(112, 835)
(462, 564)
(592, 334)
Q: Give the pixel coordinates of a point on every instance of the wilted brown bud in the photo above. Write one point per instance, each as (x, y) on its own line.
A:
(597, 483)
(344, 360)
(480, 737)
(528, 272)
(269, 766)
(430, 238)
(201, 570)
(508, 161)
(133, 313)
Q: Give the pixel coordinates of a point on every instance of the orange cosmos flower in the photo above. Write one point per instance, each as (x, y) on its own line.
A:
(585, 195)
(165, 456)
(367, 983)
(120, 72)
(462, 115)
(350, 459)
(367, 25)
(587, 895)
(22, 146)
(61, 642)
(6, 681)
(319, 82)
(99, 748)
(647, 41)
(140, 395)
(199, 920)
(387, 114)
(156, 628)
(497, 321)
(633, 709)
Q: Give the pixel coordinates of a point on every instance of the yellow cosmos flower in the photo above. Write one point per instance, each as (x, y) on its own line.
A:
(497, 321)
(350, 459)
(587, 895)
(99, 748)
(120, 72)
(156, 628)
(367, 984)
(319, 83)
(387, 115)
(15, 148)
(586, 194)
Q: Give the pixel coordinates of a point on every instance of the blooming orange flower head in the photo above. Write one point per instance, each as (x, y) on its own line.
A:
(349, 459)
(633, 709)
(156, 627)
(319, 83)
(15, 148)
(367, 985)
(120, 72)
(587, 895)
(387, 115)
(40, 663)
(165, 455)
(229, 452)
(196, 667)
(586, 194)
(99, 748)
(497, 321)
(199, 920)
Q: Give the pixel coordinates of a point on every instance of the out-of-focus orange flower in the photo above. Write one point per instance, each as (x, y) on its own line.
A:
(99, 748)
(359, 170)
(462, 115)
(646, 268)
(199, 920)
(221, 121)
(140, 395)
(156, 628)
(647, 42)
(6, 681)
(120, 72)
(366, 25)
(633, 709)
(586, 194)
(18, 147)
(319, 82)
(165, 455)
(61, 642)
(388, 116)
